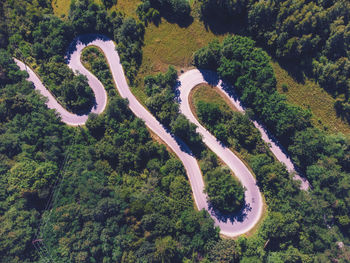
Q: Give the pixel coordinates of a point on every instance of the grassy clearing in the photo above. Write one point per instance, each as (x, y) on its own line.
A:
(61, 7)
(127, 6)
(169, 44)
(210, 94)
(311, 96)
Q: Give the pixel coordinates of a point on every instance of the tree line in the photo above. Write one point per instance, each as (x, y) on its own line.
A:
(321, 157)
(41, 40)
(123, 197)
(309, 36)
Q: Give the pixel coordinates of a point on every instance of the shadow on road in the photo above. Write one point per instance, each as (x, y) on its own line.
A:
(239, 216)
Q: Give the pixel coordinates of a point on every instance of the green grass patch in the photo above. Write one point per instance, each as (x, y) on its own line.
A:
(61, 7)
(311, 96)
(127, 6)
(210, 94)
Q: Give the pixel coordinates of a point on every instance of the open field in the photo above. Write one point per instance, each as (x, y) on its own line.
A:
(209, 94)
(60, 7)
(311, 96)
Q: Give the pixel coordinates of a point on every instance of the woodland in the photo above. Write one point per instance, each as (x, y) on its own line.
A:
(123, 197)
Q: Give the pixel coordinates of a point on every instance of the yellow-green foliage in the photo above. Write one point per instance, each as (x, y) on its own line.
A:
(209, 94)
(312, 96)
(60, 7)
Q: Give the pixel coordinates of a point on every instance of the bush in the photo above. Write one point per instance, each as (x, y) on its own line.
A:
(225, 193)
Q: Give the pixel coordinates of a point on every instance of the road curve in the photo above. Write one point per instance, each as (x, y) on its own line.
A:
(95, 84)
(194, 77)
(234, 225)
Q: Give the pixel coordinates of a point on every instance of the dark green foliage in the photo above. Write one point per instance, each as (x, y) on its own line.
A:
(129, 40)
(312, 37)
(95, 61)
(31, 148)
(248, 69)
(122, 196)
(109, 3)
(116, 179)
(41, 39)
(224, 192)
(3, 27)
(224, 251)
(319, 217)
(9, 72)
(147, 13)
(50, 39)
(162, 103)
(177, 11)
(186, 130)
(208, 57)
(232, 128)
(209, 112)
(161, 100)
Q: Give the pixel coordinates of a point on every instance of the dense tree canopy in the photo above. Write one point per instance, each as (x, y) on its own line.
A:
(224, 192)
(310, 36)
(117, 186)
(321, 157)
(124, 198)
(177, 11)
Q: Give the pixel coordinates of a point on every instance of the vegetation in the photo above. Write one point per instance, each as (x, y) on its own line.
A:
(312, 35)
(42, 41)
(94, 60)
(124, 198)
(322, 158)
(224, 192)
(162, 104)
(209, 94)
(173, 10)
(309, 95)
(120, 191)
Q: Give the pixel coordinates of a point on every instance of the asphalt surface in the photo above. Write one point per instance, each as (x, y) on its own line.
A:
(194, 77)
(230, 225)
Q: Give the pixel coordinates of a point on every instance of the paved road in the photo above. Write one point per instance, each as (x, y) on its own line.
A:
(66, 116)
(193, 77)
(230, 226)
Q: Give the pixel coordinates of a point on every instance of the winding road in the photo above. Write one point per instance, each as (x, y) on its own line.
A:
(232, 225)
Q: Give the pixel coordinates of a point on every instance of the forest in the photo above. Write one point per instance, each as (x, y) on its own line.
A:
(309, 38)
(123, 197)
(322, 158)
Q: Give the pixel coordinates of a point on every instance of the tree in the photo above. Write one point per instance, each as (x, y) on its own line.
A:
(308, 146)
(224, 192)
(186, 130)
(29, 175)
(109, 3)
(165, 249)
(224, 251)
(208, 57)
(209, 112)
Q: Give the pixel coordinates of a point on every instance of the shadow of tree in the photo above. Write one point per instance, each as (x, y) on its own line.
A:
(238, 216)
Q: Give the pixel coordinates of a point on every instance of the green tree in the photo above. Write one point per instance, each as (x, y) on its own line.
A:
(224, 192)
